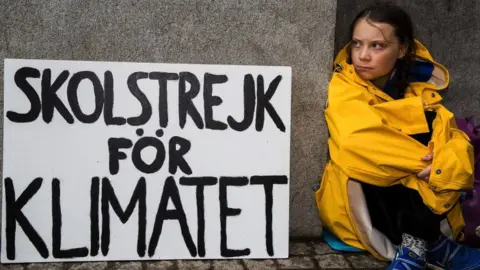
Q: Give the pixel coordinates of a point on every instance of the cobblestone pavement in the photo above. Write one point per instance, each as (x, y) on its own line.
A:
(303, 255)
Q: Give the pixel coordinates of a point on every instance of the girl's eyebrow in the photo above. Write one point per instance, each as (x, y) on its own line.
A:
(376, 40)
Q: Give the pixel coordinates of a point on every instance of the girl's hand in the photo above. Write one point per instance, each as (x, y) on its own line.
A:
(425, 173)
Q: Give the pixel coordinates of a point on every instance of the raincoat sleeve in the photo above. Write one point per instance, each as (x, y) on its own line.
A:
(453, 163)
(370, 142)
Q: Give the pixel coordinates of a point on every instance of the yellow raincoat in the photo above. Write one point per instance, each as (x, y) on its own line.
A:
(369, 142)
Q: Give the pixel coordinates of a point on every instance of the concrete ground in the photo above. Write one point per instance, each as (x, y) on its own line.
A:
(303, 255)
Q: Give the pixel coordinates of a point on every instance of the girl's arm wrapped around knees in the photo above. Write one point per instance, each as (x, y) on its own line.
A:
(371, 143)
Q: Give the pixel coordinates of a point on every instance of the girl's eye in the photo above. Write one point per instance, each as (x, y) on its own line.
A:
(355, 43)
(377, 46)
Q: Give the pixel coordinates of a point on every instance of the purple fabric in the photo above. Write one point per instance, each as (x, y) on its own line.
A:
(471, 201)
(468, 126)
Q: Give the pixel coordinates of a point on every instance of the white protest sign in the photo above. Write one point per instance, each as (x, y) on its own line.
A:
(144, 161)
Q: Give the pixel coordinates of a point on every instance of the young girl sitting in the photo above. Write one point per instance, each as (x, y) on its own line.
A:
(397, 162)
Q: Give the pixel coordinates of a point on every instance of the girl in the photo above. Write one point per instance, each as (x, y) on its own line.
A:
(397, 161)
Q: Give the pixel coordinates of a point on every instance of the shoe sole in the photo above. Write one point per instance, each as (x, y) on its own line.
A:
(434, 267)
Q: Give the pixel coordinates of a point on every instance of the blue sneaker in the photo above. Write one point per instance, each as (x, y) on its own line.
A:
(406, 259)
(447, 254)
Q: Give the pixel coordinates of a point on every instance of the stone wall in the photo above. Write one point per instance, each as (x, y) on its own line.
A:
(296, 33)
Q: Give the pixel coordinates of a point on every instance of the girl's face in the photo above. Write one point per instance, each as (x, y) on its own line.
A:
(375, 49)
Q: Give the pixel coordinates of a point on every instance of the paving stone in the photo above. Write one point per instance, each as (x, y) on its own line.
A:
(161, 265)
(88, 266)
(260, 264)
(332, 261)
(12, 266)
(296, 263)
(227, 265)
(326, 258)
(45, 266)
(366, 261)
(320, 248)
(300, 248)
(127, 266)
(194, 265)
